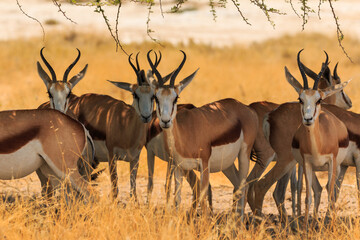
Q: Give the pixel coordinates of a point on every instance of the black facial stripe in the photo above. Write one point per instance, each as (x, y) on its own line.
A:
(343, 96)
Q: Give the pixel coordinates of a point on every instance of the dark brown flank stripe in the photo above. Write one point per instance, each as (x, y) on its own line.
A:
(354, 138)
(295, 143)
(230, 136)
(344, 143)
(13, 143)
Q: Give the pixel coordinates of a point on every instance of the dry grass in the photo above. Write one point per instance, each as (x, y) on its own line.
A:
(248, 74)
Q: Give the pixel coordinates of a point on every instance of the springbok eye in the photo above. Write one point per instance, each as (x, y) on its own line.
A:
(318, 101)
(152, 97)
(300, 101)
(68, 95)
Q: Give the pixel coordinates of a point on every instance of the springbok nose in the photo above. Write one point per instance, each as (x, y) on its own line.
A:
(308, 119)
(146, 118)
(166, 122)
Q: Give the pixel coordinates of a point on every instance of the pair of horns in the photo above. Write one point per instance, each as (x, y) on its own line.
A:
(158, 75)
(323, 67)
(140, 73)
(66, 74)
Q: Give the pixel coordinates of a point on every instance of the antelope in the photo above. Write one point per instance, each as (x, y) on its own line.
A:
(208, 138)
(46, 141)
(280, 138)
(264, 151)
(155, 146)
(313, 145)
(60, 95)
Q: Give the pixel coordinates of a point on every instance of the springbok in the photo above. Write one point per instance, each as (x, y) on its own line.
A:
(208, 138)
(264, 151)
(155, 146)
(280, 138)
(59, 92)
(46, 141)
(313, 145)
(118, 129)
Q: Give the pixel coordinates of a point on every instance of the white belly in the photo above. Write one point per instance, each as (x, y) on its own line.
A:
(222, 157)
(321, 162)
(342, 155)
(352, 154)
(101, 152)
(22, 162)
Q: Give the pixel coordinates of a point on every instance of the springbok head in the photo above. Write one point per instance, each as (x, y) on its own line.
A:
(143, 91)
(59, 90)
(166, 96)
(310, 99)
(340, 99)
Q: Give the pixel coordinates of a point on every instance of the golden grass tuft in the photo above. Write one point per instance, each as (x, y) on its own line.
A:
(252, 73)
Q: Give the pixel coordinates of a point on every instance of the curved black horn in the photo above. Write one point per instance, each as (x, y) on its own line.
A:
(306, 86)
(176, 72)
(137, 63)
(53, 75)
(71, 66)
(154, 70)
(336, 76)
(323, 67)
(158, 61)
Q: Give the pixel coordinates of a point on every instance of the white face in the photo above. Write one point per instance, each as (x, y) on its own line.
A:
(166, 105)
(59, 93)
(143, 101)
(310, 106)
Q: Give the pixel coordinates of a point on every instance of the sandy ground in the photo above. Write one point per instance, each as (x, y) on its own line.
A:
(222, 190)
(195, 22)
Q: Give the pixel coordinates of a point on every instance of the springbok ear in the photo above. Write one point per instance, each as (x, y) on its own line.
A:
(44, 76)
(293, 82)
(327, 92)
(123, 85)
(75, 79)
(186, 81)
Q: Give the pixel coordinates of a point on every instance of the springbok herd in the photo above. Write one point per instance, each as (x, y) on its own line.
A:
(317, 132)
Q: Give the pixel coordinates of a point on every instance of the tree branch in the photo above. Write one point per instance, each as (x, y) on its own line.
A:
(43, 30)
(100, 10)
(266, 10)
(237, 5)
(340, 35)
(293, 8)
(148, 29)
(58, 4)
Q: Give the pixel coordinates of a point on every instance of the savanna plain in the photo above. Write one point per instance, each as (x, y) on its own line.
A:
(247, 73)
